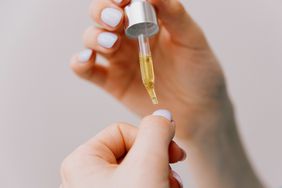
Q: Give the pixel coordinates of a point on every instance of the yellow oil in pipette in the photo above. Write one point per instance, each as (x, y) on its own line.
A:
(147, 68)
(148, 78)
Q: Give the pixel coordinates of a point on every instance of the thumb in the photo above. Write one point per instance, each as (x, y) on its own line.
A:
(152, 142)
(178, 23)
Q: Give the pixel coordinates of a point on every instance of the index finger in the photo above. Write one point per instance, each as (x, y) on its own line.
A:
(112, 143)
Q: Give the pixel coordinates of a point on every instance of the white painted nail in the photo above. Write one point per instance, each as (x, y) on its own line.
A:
(107, 39)
(177, 177)
(111, 16)
(164, 113)
(84, 55)
(184, 155)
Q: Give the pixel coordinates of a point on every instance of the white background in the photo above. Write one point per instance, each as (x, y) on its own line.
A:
(45, 111)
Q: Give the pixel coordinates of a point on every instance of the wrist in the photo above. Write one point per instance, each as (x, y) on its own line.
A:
(203, 120)
(217, 156)
(217, 120)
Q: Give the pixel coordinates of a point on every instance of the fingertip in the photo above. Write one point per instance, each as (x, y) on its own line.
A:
(111, 17)
(108, 14)
(101, 41)
(73, 60)
(82, 57)
(81, 61)
(108, 42)
(159, 128)
(74, 63)
(163, 113)
(156, 121)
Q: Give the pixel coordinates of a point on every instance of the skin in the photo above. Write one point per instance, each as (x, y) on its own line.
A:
(189, 82)
(125, 156)
(183, 64)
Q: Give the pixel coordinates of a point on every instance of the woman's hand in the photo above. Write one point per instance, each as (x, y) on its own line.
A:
(124, 156)
(189, 80)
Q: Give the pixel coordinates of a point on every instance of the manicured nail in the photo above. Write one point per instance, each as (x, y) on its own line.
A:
(184, 155)
(84, 55)
(177, 177)
(111, 16)
(107, 39)
(164, 113)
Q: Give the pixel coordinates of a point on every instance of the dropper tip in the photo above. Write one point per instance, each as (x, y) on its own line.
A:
(155, 100)
(153, 96)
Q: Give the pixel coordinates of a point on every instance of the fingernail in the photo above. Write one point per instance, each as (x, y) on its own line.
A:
(111, 16)
(164, 113)
(107, 39)
(84, 55)
(184, 155)
(177, 177)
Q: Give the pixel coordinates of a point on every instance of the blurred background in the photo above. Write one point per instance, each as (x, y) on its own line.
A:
(46, 111)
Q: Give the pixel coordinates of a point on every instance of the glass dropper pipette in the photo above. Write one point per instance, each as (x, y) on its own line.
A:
(146, 67)
(141, 23)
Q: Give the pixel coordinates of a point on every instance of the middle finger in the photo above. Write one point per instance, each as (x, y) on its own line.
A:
(107, 14)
